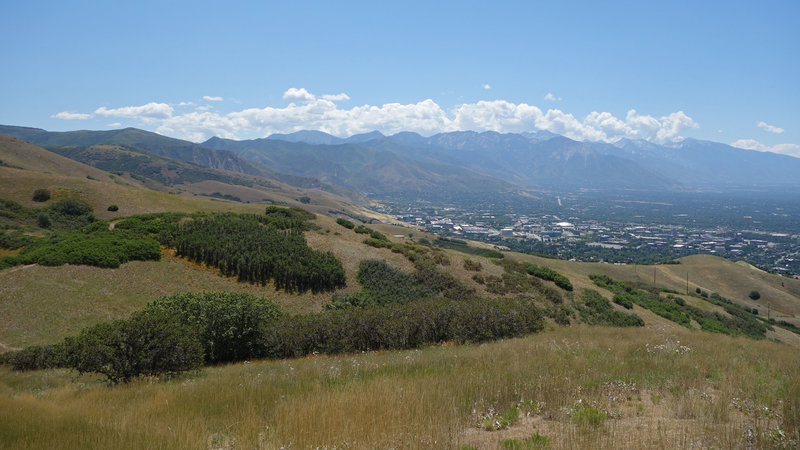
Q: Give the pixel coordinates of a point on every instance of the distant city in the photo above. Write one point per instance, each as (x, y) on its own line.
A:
(631, 241)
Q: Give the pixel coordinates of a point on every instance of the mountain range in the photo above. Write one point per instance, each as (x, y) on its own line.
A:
(445, 164)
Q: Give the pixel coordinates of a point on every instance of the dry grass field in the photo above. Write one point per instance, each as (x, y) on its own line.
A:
(578, 387)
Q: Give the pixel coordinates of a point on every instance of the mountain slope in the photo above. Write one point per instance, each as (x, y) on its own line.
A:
(536, 161)
(362, 167)
(136, 140)
(708, 164)
(144, 140)
(23, 155)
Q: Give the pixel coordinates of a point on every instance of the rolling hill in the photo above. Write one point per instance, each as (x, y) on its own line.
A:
(149, 145)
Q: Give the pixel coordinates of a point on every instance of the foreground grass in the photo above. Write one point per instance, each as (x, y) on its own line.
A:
(647, 387)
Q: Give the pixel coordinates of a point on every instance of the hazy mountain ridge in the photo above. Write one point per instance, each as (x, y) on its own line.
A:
(546, 160)
(154, 150)
(711, 164)
(362, 167)
(457, 162)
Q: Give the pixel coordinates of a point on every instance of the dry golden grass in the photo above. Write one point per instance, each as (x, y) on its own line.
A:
(659, 395)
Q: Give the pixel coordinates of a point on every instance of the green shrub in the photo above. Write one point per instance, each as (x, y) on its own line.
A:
(38, 357)
(14, 240)
(345, 223)
(754, 295)
(259, 249)
(71, 207)
(150, 343)
(549, 274)
(400, 326)
(377, 243)
(41, 195)
(597, 310)
(382, 284)
(43, 220)
(228, 324)
(113, 208)
(103, 248)
(623, 299)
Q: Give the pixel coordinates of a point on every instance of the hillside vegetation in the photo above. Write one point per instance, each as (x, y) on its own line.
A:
(216, 323)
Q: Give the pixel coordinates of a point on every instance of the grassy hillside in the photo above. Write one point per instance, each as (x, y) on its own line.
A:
(709, 273)
(575, 387)
(660, 385)
(28, 167)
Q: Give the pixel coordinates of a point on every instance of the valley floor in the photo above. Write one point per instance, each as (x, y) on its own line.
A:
(577, 387)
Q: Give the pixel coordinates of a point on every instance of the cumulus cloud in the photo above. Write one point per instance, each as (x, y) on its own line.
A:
(551, 98)
(69, 115)
(336, 97)
(295, 94)
(487, 86)
(307, 111)
(212, 99)
(769, 128)
(752, 144)
(114, 125)
(148, 113)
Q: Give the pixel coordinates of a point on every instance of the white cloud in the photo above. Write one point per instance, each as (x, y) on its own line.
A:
(487, 86)
(295, 94)
(148, 113)
(336, 97)
(69, 115)
(185, 104)
(551, 98)
(309, 112)
(212, 99)
(114, 125)
(769, 128)
(672, 126)
(752, 144)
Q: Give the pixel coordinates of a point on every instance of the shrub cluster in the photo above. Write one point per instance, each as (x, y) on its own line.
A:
(90, 245)
(179, 333)
(374, 234)
(41, 195)
(401, 326)
(382, 284)
(258, 249)
(549, 274)
(14, 240)
(345, 223)
(738, 321)
(169, 336)
(516, 280)
(595, 309)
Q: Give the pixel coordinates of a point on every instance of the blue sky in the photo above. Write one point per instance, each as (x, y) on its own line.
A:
(725, 71)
